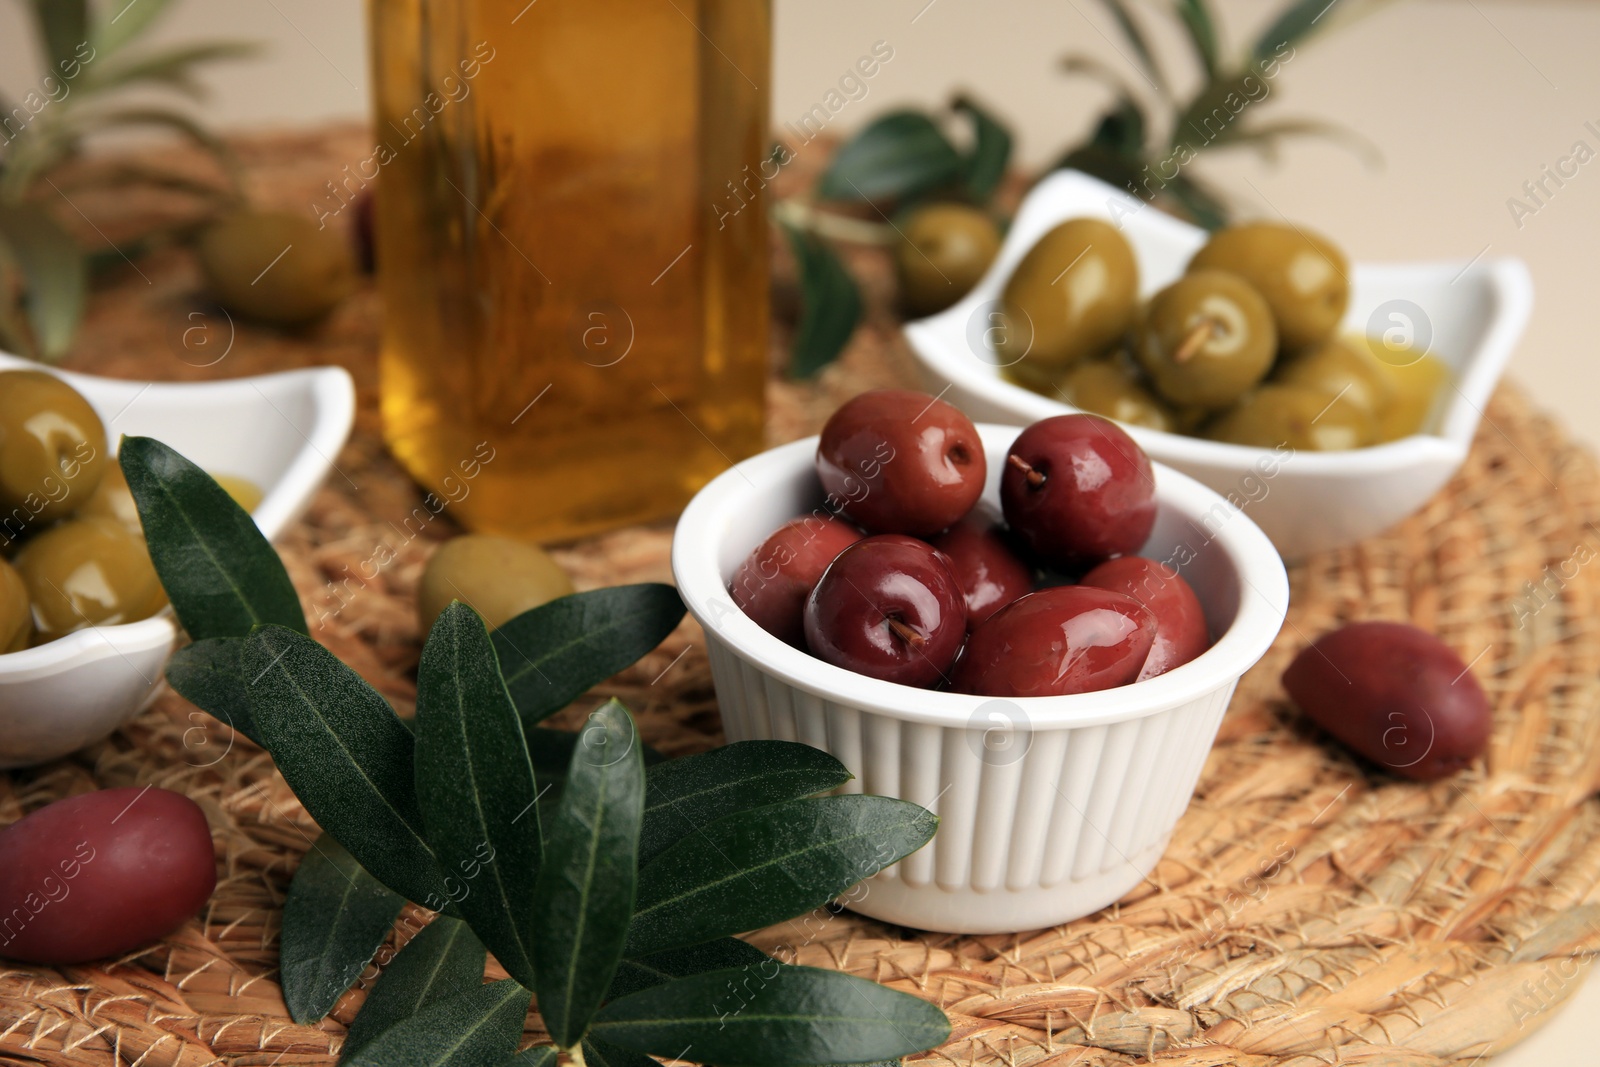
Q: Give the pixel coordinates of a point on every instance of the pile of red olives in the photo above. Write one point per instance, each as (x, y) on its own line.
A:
(904, 576)
(1242, 348)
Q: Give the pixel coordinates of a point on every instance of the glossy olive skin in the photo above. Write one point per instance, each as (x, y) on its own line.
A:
(980, 555)
(1072, 295)
(1110, 387)
(100, 874)
(1077, 490)
(1302, 276)
(1396, 694)
(112, 499)
(52, 449)
(1181, 632)
(943, 251)
(1339, 368)
(239, 261)
(16, 616)
(1206, 339)
(772, 584)
(88, 572)
(890, 608)
(1069, 639)
(1305, 419)
(498, 577)
(898, 461)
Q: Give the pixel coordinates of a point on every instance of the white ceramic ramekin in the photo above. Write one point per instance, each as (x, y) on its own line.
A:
(1050, 807)
(1468, 314)
(280, 431)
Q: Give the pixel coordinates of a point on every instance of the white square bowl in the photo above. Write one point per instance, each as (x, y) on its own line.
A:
(280, 431)
(1049, 807)
(1470, 315)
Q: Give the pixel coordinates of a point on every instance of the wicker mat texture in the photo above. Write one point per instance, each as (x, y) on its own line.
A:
(1309, 910)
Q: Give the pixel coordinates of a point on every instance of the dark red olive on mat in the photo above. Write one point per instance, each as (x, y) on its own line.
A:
(773, 582)
(991, 573)
(1078, 490)
(897, 461)
(1181, 633)
(1394, 693)
(1070, 639)
(100, 874)
(888, 607)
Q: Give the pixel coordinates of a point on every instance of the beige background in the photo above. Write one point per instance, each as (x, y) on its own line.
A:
(1466, 100)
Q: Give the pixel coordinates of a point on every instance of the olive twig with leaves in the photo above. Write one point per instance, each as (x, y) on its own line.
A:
(607, 882)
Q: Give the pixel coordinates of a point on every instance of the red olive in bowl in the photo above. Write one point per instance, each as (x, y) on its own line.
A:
(773, 582)
(991, 573)
(1181, 632)
(1070, 639)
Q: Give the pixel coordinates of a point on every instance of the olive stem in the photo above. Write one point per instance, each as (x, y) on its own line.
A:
(1035, 477)
(906, 633)
(1191, 345)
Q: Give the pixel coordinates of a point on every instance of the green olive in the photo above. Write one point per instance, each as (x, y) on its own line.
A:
(1302, 276)
(16, 617)
(1303, 418)
(1111, 387)
(52, 450)
(112, 499)
(1206, 339)
(88, 572)
(1417, 378)
(1340, 368)
(276, 266)
(1073, 295)
(498, 577)
(944, 249)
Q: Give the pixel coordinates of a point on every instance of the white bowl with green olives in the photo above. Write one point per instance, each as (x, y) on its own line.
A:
(1329, 400)
(87, 651)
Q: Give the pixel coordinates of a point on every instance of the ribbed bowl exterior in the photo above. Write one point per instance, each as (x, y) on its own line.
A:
(1038, 826)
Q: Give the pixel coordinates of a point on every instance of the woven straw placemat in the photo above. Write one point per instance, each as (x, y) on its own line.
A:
(1309, 910)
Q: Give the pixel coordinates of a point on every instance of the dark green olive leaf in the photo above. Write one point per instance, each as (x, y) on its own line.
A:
(479, 1025)
(586, 888)
(1121, 131)
(335, 918)
(795, 1017)
(1209, 118)
(345, 754)
(537, 1056)
(207, 674)
(64, 27)
(476, 784)
(1294, 22)
(220, 573)
(755, 868)
(110, 34)
(684, 794)
(556, 652)
(725, 953)
(55, 274)
(597, 1053)
(830, 304)
(897, 156)
(444, 959)
(985, 166)
(1203, 206)
(1196, 18)
(1141, 47)
(1110, 167)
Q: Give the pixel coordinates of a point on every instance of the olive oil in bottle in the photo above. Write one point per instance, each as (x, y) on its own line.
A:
(575, 308)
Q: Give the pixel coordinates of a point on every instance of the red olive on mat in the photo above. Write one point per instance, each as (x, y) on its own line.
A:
(1070, 639)
(1394, 693)
(889, 608)
(898, 461)
(773, 582)
(99, 874)
(991, 573)
(1181, 633)
(1078, 490)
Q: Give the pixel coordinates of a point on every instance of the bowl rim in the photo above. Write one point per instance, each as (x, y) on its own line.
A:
(332, 390)
(1507, 278)
(1263, 591)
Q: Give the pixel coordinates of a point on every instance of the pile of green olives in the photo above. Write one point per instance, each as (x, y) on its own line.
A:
(72, 551)
(1243, 348)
